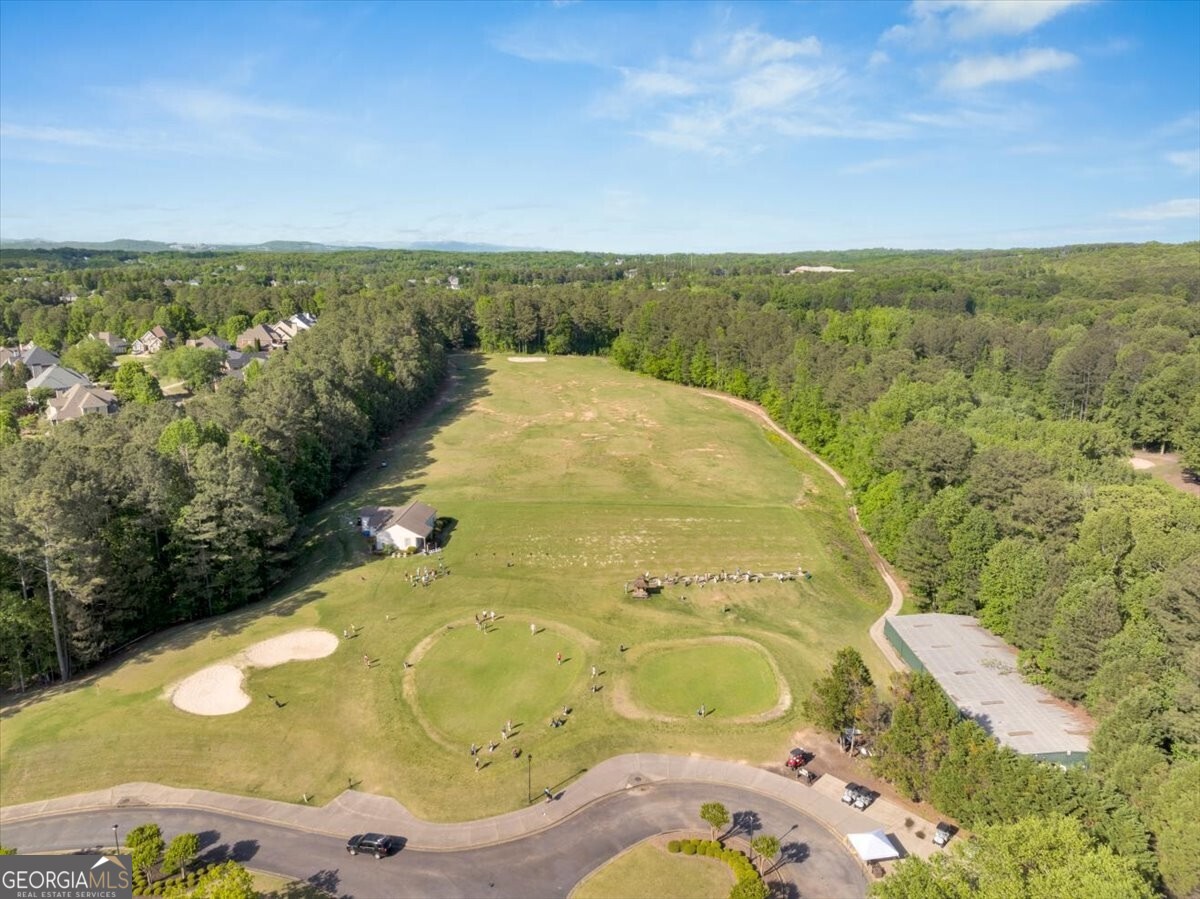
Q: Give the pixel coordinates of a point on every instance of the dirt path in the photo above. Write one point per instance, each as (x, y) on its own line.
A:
(881, 565)
(1167, 468)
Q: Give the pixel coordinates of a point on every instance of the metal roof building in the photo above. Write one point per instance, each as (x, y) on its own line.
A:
(978, 671)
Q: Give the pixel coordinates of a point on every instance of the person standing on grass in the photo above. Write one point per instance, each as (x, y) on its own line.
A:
(558, 657)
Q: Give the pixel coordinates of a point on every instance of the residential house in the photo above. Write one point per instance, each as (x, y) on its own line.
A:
(211, 342)
(405, 528)
(79, 401)
(112, 341)
(35, 358)
(58, 378)
(157, 338)
(259, 337)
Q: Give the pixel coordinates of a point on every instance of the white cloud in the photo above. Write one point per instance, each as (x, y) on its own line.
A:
(938, 20)
(978, 71)
(1168, 209)
(873, 165)
(1186, 160)
(878, 58)
(207, 106)
(777, 85)
(71, 137)
(658, 84)
(751, 47)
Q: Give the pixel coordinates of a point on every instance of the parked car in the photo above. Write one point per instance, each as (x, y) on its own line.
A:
(805, 775)
(369, 843)
(943, 833)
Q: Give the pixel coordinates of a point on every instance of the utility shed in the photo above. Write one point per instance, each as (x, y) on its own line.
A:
(978, 671)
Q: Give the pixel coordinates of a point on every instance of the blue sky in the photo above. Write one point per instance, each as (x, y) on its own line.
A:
(603, 126)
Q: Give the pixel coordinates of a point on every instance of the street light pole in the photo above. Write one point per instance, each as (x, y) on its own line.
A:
(116, 842)
(529, 778)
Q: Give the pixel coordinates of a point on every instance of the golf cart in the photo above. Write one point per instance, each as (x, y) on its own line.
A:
(943, 833)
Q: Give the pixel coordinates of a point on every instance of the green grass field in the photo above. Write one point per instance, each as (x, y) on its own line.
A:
(565, 480)
(729, 679)
(649, 872)
(471, 683)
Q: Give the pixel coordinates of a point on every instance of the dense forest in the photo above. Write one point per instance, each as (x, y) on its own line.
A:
(981, 404)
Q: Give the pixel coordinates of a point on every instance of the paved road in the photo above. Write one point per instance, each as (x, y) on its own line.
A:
(548, 864)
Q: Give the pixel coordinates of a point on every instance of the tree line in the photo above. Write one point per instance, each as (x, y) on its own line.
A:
(115, 526)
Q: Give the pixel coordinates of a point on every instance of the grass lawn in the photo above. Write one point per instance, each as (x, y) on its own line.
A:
(647, 871)
(729, 679)
(471, 683)
(565, 480)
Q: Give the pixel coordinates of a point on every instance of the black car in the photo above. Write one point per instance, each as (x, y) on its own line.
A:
(373, 843)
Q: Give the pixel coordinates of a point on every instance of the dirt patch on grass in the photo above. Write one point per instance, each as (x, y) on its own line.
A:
(526, 358)
(622, 692)
(1168, 468)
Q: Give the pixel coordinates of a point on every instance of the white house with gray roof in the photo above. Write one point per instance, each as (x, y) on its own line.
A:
(402, 528)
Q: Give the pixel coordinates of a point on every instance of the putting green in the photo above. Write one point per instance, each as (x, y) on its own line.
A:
(469, 683)
(731, 678)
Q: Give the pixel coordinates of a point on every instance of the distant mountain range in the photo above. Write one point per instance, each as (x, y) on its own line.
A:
(271, 246)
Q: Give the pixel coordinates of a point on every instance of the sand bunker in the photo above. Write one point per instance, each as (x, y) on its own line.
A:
(1141, 463)
(217, 689)
(526, 358)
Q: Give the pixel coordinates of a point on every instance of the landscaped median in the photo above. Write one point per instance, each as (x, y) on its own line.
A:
(749, 883)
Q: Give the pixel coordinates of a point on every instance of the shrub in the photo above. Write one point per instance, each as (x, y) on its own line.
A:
(908, 823)
(673, 846)
(137, 891)
(713, 851)
(920, 834)
(689, 848)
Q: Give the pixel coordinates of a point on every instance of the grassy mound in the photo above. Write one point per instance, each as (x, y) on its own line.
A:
(470, 683)
(731, 679)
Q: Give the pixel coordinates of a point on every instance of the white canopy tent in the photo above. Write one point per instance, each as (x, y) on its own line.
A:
(873, 847)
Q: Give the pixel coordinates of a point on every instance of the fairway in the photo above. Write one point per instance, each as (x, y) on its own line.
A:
(729, 679)
(472, 682)
(563, 481)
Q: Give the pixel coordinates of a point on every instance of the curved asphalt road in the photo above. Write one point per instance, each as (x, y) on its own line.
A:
(547, 864)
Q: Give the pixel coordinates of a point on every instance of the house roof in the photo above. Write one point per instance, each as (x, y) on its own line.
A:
(35, 356)
(158, 331)
(262, 334)
(209, 342)
(416, 517)
(979, 673)
(56, 377)
(80, 400)
(113, 341)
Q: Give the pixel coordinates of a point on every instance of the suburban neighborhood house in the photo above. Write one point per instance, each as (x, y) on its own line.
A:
(404, 528)
(57, 378)
(280, 334)
(152, 341)
(79, 401)
(35, 358)
(114, 342)
(209, 342)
